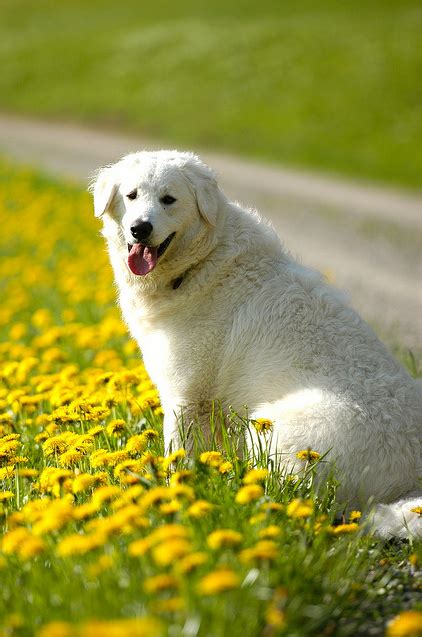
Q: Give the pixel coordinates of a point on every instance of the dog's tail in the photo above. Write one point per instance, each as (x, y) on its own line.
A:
(401, 519)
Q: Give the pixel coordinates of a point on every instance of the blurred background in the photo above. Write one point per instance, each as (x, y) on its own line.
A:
(329, 85)
(309, 110)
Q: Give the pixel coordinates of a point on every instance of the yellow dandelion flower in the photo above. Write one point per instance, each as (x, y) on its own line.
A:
(414, 560)
(139, 627)
(225, 467)
(224, 538)
(262, 425)
(6, 495)
(272, 506)
(70, 457)
(406, 624)
(127, 519)
(85, 481)
(13, 621)
(84, 442)
(249, 493)
(263, 550)
(115, 427)
(173, 458)
(85, 511)
(12, 540)
(168, 508)
(123, 521)
(19, 459)
(41, 437)
(255, 475)
(18, 331)
(355, 516)
(53, 355)
(32, 547)
(96, 458)
(34, 510)
(113, 458)
(299, 508)
(218, 581)
(58, 444)
(269, 532)
(105, 494)
(211, 458)
(8, 447)
(53, 480)
(166, 553)
(138, 548)
(182, 491)
(182, 476)
(6, 419)
(148, 458)
(307, 455)
(129, 470)
(77, 544)
(27, 473)
(42, 318)
(274, 616)
(151, 434)
(96, 430)
(95, 413)
(154, 496)
(258, 518)
(136, 444)
(190, 562)
(169, 532)
(55, 517)
(343, 529)
(162, 582)
(417, 510)
(57, 629)
(169, 605)
(23, 543)
(103, 563)
(199, 508)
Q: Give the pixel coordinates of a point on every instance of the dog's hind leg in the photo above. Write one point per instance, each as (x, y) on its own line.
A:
(402, 518)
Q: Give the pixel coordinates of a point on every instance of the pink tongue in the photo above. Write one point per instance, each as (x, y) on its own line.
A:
(142, 259)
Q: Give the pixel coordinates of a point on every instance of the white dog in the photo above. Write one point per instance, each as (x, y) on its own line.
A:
(222, 312)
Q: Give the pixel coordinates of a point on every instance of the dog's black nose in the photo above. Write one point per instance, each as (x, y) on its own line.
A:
(141, 231)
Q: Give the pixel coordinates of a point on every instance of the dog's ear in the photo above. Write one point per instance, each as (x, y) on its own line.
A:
(205, 188)
(103, 188)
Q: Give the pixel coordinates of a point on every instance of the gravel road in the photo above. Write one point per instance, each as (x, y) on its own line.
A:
(367, 239)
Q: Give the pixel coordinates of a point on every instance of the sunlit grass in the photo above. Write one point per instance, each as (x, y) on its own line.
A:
(329, 85)
(104, 535)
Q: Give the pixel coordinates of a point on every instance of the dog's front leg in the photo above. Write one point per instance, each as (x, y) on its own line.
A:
(171, 430)
(187, 425)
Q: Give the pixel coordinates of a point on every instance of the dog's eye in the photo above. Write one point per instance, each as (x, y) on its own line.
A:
(133, 194)
(167, 200)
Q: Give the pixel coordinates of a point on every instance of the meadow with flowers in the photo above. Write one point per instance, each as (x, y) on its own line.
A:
(104, 535)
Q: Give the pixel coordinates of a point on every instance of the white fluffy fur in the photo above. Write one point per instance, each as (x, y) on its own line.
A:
(251, 326)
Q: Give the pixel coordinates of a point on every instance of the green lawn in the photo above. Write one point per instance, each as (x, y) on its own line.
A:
(328, 85)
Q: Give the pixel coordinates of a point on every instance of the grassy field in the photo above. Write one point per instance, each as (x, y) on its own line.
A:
(101, 534)
(327, 85)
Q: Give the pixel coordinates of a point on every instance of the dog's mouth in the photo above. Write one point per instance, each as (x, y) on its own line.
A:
(142, 258)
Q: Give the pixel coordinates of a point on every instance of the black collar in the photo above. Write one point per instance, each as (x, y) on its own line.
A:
(177, 282)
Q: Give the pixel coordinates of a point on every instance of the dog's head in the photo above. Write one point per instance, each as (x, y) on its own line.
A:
(155, 204)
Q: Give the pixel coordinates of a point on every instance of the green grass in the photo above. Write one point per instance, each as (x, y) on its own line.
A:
(327, 85)
(64, 354)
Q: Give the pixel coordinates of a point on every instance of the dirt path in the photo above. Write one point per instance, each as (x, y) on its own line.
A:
(368, 239)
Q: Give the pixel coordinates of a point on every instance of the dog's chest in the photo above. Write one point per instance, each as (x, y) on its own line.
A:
(179, 349)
